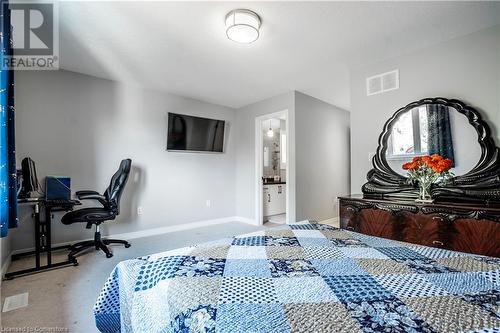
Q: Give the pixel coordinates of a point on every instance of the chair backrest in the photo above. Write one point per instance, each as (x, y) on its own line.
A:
(114, 191)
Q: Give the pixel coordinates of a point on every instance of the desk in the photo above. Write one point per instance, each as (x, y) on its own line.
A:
(43, 236)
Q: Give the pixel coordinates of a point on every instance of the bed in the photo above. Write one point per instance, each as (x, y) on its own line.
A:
(304, 277)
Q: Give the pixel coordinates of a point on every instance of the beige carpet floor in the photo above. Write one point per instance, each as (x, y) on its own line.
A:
(61, 300)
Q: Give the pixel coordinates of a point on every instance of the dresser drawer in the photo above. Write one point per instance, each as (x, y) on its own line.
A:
(373, 222)
(428, 225)
(476, 236)
(422, 229)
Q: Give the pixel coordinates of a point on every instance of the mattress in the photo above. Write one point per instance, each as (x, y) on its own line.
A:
(304, 277)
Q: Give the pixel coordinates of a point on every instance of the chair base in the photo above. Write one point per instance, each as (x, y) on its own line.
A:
(97, 243)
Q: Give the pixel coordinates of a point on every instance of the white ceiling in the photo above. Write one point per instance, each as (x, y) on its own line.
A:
(181, 47)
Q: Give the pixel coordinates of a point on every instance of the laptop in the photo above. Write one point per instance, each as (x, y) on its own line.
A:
(57, 188)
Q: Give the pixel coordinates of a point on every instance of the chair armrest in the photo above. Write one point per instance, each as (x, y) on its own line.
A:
(86, 192)
(97, 197)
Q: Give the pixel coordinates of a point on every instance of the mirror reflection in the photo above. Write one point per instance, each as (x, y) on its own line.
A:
(433, 129)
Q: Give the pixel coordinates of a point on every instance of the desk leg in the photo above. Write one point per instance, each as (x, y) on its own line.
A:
(48, 239)
(37, 235)
(43, 243)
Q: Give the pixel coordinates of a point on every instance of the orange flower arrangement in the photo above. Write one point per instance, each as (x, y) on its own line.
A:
(436, 162)
(427, 170)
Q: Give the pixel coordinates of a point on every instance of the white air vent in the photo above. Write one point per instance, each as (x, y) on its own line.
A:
(382, 82)
(15, 302)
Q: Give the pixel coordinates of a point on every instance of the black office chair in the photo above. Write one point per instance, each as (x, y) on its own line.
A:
(110, 202)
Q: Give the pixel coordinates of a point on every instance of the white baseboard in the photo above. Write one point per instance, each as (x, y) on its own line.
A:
(334, 221)
(156, 231)
(246, 220)
(177, 227)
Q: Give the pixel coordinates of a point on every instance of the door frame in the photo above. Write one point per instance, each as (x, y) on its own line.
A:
(259, 165)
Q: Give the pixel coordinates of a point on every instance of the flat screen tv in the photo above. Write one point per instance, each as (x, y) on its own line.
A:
(188, 133)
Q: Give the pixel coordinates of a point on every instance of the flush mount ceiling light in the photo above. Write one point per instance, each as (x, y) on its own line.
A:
(242, 26)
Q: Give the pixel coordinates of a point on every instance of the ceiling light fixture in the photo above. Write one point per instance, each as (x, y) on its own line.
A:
(270, 132)
(242, 26)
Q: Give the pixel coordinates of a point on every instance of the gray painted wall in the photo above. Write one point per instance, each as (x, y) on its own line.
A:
(466, 68)
(81, 126)
(320, 150)
(322, 157)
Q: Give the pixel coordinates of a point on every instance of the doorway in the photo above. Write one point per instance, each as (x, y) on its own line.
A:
(272, 168)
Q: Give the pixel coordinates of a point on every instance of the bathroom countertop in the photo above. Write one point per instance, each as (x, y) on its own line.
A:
(274, 183)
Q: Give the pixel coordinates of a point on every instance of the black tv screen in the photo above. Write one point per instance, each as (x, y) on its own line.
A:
(188, 133)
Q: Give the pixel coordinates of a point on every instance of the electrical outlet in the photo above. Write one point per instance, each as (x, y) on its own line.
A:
(139, 210)
(208, 203)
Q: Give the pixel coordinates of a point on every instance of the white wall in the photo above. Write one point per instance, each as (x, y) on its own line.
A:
(81, 126)
(245, 154)
(466, 68)
(321, 157)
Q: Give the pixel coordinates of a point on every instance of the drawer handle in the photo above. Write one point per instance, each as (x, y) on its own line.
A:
(350, 228)
(350, 209)
(437, 218)
(436, 242)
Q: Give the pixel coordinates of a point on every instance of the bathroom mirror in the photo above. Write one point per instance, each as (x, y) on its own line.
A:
(447, 127)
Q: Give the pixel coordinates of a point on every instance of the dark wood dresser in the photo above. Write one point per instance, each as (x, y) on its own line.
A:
(461, 227)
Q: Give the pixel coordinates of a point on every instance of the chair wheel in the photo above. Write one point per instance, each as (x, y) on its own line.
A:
(75, 264)
(127, 246)
(109, 255)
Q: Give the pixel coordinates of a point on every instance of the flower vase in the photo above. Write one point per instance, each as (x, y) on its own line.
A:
(424, 193)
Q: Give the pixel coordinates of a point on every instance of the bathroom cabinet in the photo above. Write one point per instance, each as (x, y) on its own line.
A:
(274, 199)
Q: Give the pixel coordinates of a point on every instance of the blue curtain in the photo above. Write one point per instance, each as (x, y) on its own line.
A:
(8, 181)
(440, 140)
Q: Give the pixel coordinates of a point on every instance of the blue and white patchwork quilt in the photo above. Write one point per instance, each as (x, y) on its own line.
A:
(304, 277)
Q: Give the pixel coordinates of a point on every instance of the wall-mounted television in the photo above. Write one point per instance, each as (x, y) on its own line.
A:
(195, 134)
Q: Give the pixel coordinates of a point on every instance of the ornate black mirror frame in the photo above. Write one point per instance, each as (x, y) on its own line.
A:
(482, 183)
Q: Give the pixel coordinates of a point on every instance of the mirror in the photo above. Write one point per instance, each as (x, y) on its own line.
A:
(433, 129)
(448, 127)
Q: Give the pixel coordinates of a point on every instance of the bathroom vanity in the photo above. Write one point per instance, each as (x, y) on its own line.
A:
(274, 198)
